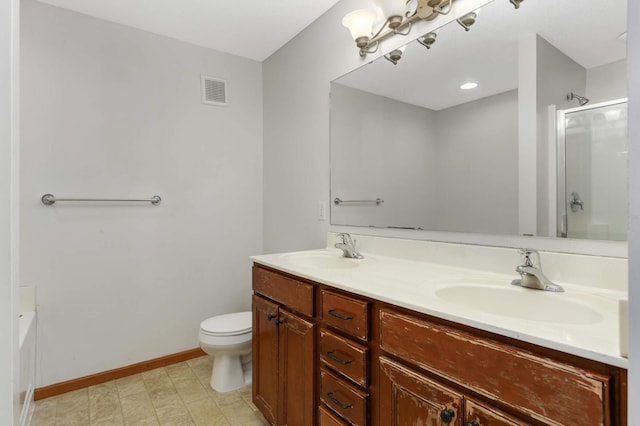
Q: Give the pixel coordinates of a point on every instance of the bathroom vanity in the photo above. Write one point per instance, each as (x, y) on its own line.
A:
(340, 341)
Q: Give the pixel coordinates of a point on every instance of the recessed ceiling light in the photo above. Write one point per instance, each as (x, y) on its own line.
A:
(468, 86)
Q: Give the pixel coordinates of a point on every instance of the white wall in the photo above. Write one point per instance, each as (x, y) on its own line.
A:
(633, 58)
(109, 111)
(9, 221)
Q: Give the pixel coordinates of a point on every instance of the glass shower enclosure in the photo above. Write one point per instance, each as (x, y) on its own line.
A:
(592, 171)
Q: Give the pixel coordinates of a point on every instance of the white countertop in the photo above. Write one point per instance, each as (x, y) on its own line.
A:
(582, 321)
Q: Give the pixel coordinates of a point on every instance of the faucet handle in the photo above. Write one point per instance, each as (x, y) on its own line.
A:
(526, 254)
(346, 238)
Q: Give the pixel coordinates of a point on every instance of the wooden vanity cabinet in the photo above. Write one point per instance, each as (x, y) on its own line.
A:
(284, 352)
(326, 357)
(343, 352)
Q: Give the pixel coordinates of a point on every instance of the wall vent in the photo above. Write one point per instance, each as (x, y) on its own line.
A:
(214, 91)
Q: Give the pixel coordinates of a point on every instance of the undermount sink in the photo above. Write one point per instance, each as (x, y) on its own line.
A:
(520, 303)
(322, 261)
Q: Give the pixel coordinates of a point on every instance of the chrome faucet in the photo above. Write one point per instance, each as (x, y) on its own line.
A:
(348, 247)
(531, 275)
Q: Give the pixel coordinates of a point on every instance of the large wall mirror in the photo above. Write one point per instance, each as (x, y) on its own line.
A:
(538, 147)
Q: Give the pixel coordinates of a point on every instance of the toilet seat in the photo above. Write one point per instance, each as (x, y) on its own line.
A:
(234, 324)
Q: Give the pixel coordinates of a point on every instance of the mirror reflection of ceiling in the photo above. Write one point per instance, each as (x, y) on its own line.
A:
(587, 31)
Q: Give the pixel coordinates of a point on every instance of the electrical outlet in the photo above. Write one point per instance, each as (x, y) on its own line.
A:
(322, 210)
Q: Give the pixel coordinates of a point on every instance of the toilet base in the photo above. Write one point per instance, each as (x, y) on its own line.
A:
(228, 373)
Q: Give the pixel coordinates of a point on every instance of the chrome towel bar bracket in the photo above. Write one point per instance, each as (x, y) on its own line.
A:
(49, 199)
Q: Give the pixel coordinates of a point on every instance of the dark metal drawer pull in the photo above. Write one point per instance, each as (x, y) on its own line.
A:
(333, 313)
(337, 359)
(338, 403)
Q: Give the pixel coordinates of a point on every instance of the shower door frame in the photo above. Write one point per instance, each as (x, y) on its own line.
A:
(561, 185)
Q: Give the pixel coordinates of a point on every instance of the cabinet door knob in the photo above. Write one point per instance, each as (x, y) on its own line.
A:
(333, 313)
(473, 423)
(337, 359)
(270, 316)
(279, 321)
(337, 402)
(447, 415)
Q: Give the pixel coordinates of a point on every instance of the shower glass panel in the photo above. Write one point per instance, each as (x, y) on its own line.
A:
(592, 171)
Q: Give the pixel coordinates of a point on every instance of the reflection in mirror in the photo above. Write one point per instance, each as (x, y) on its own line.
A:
(593, 174)
(481, 160)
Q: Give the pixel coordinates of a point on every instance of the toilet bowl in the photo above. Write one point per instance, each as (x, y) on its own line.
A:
(227, 338)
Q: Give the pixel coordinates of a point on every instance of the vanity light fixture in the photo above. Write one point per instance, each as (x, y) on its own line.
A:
(466, 21)
(469, 85)
(398, 21)
(395, 55)
(428, 39)
(516, 3)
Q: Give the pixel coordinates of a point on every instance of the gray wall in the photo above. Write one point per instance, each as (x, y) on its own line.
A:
(425, 165)
(607, 82)
(633, 58)
(478, 166)
(556, 75)
(9, 219)
(109, 111)
(382, 148)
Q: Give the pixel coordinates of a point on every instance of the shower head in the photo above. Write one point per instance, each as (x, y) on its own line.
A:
(581, 99)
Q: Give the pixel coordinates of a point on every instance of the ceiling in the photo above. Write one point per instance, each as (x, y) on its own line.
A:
(488, 53)
(252, 29)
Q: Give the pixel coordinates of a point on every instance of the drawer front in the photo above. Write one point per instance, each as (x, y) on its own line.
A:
(327, 418)
(483, 415)
(344, 356)
(346, 313)
(344, 399)
(294, 294)
(542, 388)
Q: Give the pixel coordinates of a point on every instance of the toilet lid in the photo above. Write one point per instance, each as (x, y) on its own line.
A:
(227, 325)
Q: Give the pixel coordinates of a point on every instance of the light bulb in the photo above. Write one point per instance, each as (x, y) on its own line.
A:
(359, 22)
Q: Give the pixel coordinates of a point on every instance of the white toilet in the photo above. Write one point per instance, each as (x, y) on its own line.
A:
(227, 338)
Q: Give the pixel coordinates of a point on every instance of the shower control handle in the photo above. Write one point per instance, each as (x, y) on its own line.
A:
(575, 202)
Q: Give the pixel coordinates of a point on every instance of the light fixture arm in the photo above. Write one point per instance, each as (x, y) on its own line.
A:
(439, 8)
(423, 12)
(381, 35)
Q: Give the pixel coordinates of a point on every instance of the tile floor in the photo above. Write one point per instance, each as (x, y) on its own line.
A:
(178, 394)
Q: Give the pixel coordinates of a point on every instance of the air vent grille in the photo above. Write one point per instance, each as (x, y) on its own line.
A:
(214, 91)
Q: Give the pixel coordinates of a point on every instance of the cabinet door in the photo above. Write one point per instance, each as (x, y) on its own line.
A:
(408, 398)
(265, 357)
(297, 370)
(478, 414)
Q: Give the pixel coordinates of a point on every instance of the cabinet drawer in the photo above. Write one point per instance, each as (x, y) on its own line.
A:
(344, 356)
(483, 415)
(344, 399)
(544, 389)
(294, 294)
(346, 313)
(327, 418)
